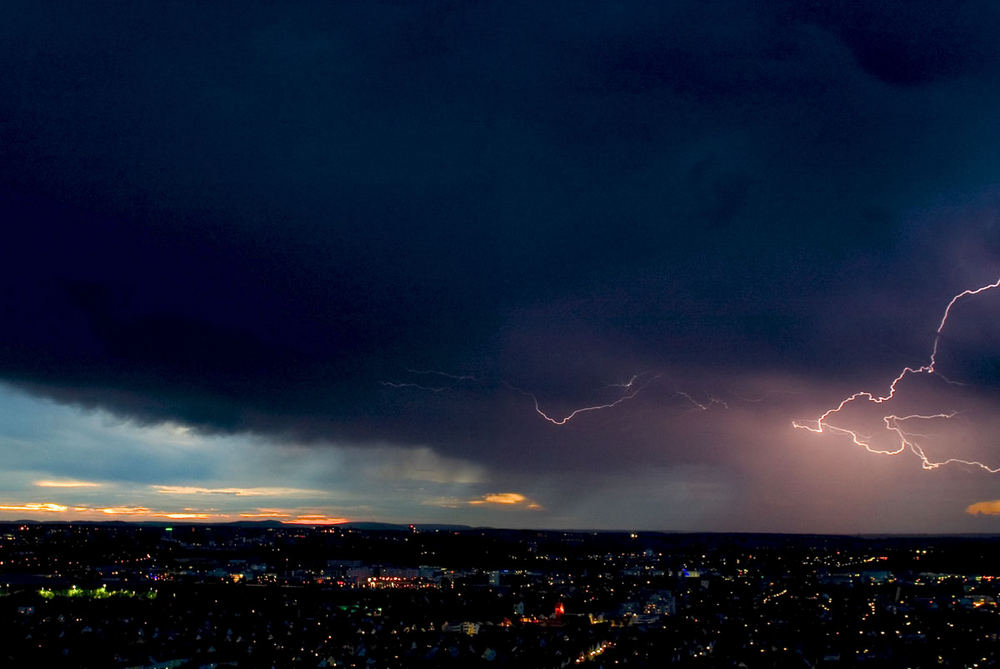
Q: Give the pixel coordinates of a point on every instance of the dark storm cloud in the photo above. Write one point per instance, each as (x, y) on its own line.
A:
(251, 220)
(913, 44)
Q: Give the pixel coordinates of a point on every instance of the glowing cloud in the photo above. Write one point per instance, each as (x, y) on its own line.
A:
(506, 499)
(67, 484)
(266, 513)
(502, 498)
(142, 511)
(990, 508)
(48, 507)
(126, 511)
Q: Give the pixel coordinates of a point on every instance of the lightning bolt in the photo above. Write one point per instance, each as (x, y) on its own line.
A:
(398, 384)
(627, 384)
(703, 406)
(893, 423)
(434, 372)
(455, 378)
(630, 390)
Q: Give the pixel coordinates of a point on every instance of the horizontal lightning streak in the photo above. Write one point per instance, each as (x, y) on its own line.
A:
(630, 391)
(577, 412)
(397, 384)
(892, 422)
(430, 372)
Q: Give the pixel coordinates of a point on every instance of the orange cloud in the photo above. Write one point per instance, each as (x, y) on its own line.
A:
(503, 498)
(48, 507)
(295, 516)
(507, 499)
(187, 514)
(127, 511)
(67, 484)
(990, 508)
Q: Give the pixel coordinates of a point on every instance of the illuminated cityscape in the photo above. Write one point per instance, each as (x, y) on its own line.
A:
(119, 595)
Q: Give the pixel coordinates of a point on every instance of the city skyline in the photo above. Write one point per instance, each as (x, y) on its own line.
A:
(695, 268)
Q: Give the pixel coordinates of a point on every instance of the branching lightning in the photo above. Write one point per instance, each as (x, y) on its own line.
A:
(894, 424)
(629, 390)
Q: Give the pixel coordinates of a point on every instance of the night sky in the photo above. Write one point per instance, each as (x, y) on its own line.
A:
(343, 260)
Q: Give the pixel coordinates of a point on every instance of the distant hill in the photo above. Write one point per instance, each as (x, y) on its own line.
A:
(389, 527)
